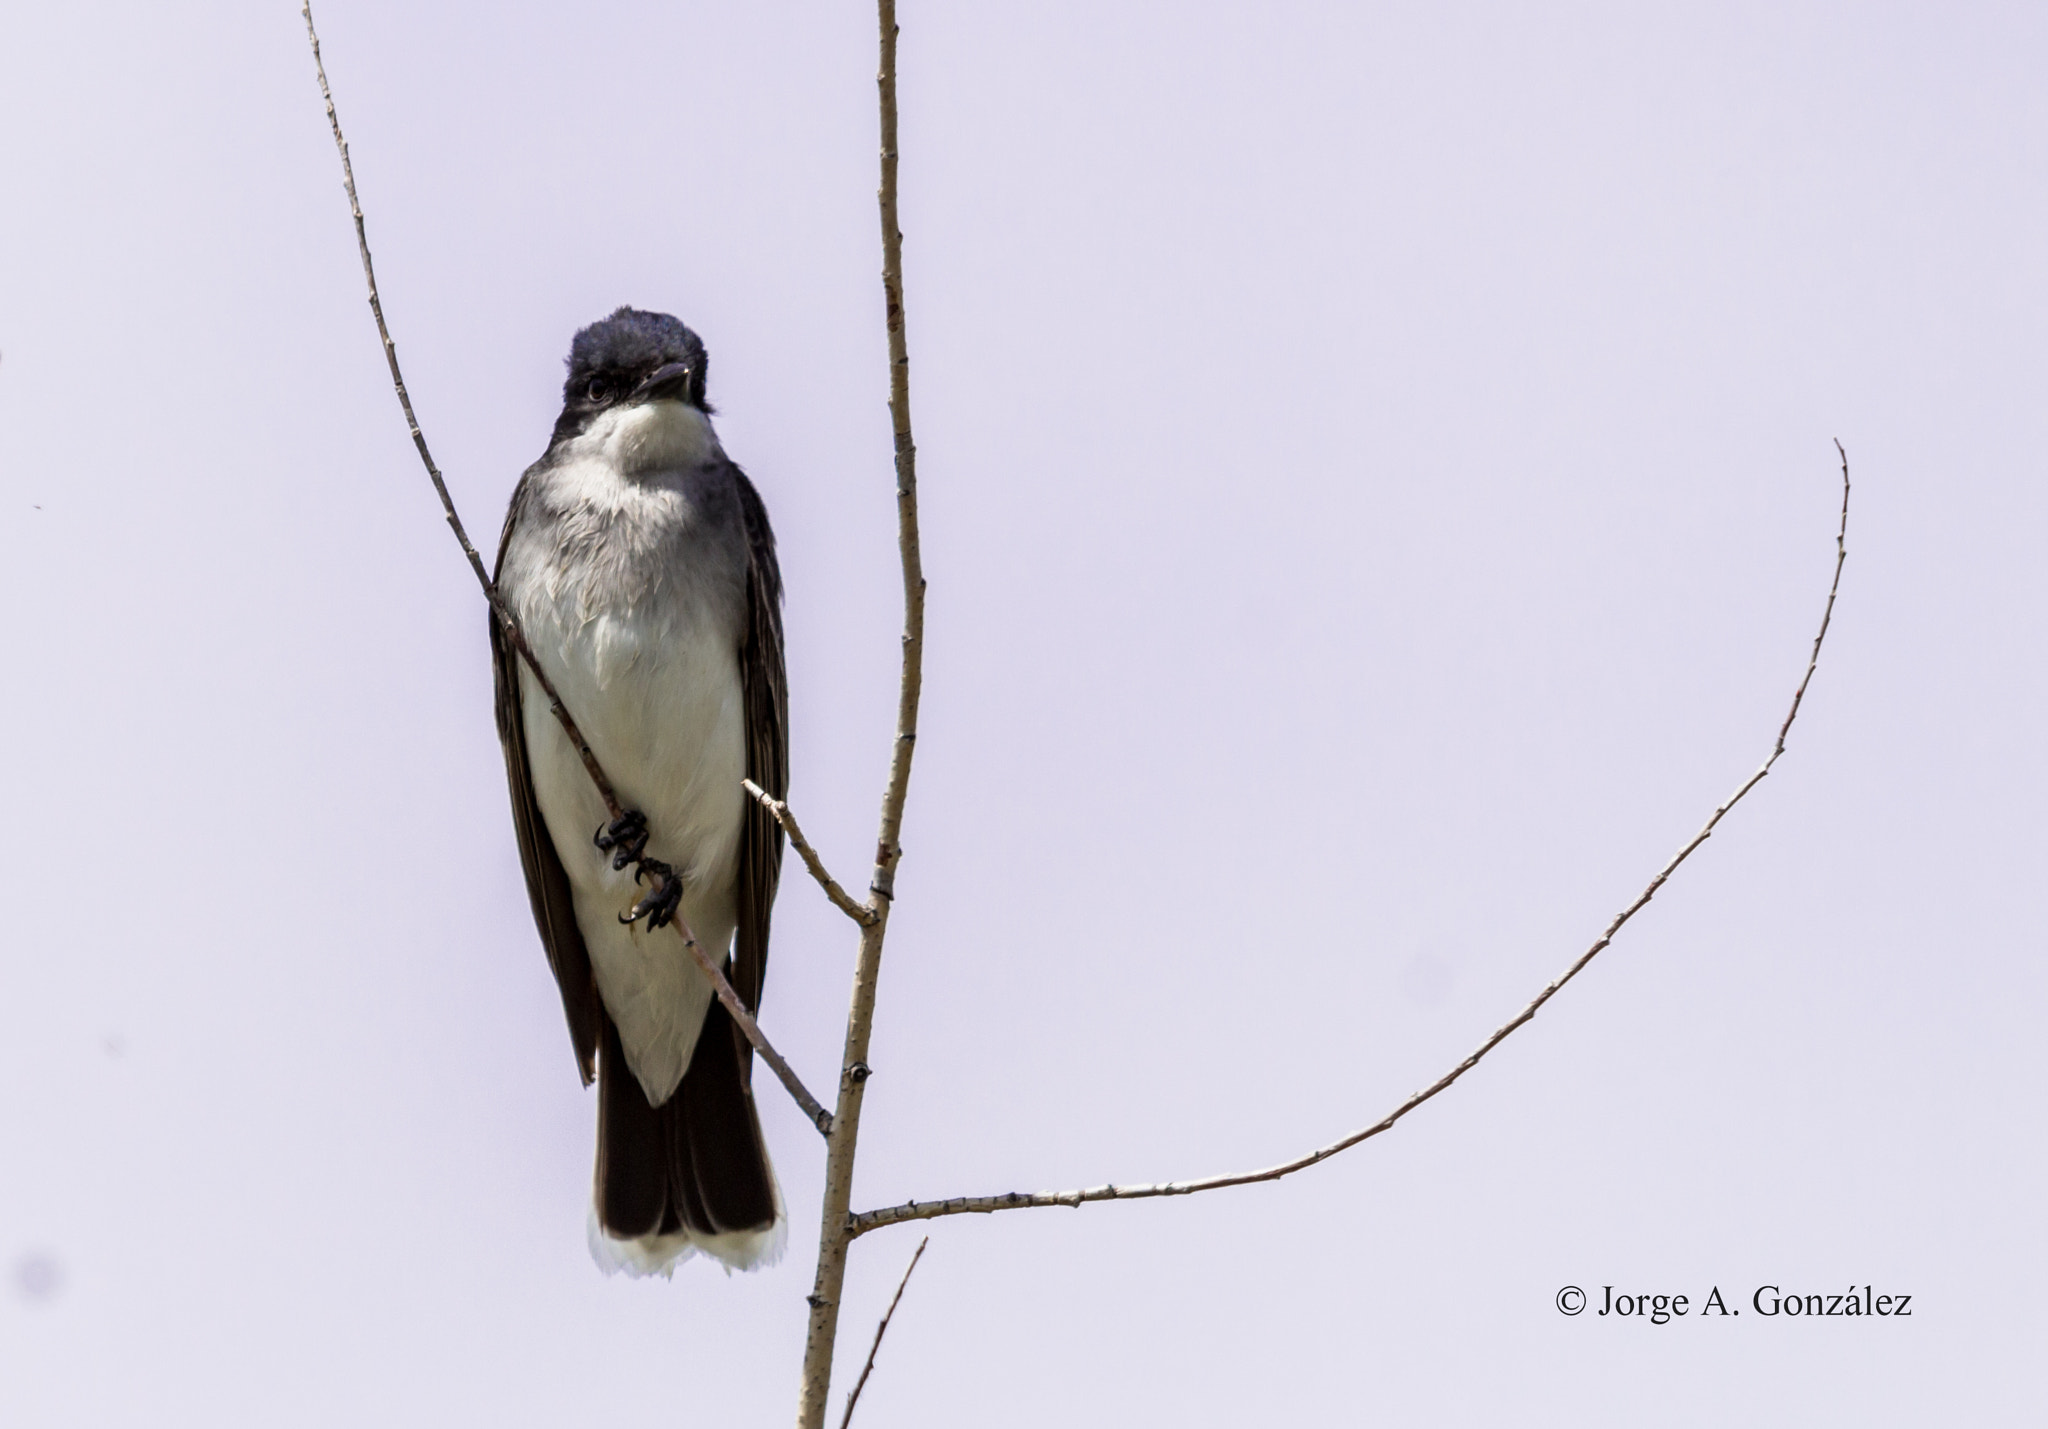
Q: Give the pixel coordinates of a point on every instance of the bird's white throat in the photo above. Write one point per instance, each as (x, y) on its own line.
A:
(665, 435)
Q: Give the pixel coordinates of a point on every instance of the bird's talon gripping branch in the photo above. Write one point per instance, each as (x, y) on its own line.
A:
(660, 904)
(625, 838)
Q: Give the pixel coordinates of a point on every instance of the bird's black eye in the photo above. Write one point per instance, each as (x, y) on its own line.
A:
(599, 390)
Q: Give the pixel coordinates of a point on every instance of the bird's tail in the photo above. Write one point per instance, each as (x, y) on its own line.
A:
(691, 1174)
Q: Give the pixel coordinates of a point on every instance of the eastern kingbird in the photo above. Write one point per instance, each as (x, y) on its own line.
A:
(639, 562)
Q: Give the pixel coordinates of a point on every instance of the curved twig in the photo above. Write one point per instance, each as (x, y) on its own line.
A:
(1017, 1200)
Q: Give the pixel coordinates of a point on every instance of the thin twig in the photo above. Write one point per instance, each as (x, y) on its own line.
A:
(881, 1330)
(721, 985)
(835, 1232)
(509, 623)
(1016, 1200)
(782, 814)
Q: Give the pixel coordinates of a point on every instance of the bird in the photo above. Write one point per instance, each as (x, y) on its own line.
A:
(638, 562)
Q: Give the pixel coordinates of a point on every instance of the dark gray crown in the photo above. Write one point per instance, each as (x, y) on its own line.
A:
(614, 355)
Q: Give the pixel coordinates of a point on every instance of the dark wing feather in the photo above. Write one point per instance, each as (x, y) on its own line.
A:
(554, 912)
(767, 715)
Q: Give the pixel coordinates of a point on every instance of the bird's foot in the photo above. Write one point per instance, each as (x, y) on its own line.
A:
(624, 838)
(661, 902)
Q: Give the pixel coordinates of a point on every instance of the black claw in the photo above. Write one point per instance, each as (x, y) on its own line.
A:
(660, 904)
(627, 834)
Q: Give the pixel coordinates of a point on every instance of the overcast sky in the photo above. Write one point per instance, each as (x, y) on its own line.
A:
(1379, 493)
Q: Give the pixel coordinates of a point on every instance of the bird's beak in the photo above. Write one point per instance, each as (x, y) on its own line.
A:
(670, 381)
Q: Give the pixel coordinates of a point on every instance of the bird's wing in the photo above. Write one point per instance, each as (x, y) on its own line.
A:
(554, 911)
(767, 716)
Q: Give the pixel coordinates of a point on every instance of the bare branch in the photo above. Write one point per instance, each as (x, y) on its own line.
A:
(835, 1229)
(751, 1030)
(1016, 1200)
(509, 623)
(841, 899)
(881, 1330)
(506, 620)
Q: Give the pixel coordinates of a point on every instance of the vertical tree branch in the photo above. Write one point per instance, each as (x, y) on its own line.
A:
(835, 1227)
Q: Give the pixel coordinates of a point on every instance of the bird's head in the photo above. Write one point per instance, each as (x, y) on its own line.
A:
(630, 359)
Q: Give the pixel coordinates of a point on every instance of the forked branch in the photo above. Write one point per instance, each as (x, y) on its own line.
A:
(509, 623)
(1018, 1200)
(838, 1225)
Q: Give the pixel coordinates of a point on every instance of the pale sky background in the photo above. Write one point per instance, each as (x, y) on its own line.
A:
(1379, 493)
